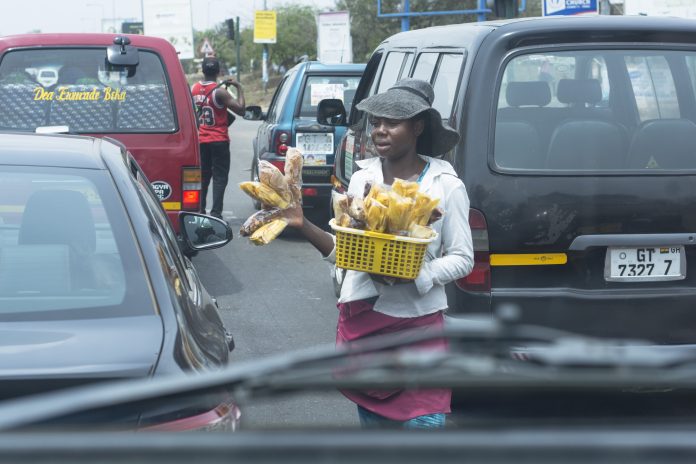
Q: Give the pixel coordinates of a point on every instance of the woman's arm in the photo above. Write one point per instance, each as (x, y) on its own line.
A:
(457, 260)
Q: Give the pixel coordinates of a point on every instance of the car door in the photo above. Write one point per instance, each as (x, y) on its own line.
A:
(197, 316)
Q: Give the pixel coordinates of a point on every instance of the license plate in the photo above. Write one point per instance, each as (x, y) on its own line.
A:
(647, 264)
(315, 144)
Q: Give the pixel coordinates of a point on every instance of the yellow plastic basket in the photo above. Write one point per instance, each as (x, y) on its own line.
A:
(377, 253)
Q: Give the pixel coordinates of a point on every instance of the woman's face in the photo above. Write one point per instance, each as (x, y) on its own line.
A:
(395, 138)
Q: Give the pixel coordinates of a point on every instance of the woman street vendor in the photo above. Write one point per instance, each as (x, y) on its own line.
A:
(407, 134)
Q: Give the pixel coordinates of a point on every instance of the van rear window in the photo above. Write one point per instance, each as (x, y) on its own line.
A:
(71, 87)
(598, 110)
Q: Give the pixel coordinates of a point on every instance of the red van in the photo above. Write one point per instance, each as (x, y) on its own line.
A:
(128, 87)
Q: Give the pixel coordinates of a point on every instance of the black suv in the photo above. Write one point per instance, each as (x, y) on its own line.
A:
(578, 152)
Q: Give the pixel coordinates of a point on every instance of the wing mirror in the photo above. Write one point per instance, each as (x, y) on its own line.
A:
(254, 113)
(331, 112)
(201, 232)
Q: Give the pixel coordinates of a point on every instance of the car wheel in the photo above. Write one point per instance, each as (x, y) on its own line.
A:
(255, 178)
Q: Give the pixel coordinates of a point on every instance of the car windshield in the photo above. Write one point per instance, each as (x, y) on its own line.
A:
(65, 249)
(73, 87)
(492, 259)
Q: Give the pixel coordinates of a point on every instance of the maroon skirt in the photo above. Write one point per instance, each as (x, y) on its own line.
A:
(358, 320)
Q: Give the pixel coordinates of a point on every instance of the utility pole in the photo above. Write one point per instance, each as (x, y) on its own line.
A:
(264, 60)
(237, 39)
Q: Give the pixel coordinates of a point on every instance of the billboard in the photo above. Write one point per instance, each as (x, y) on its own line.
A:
(334, 43)
(171, 20)
(265, 27)
(679, 8)
(569, 7)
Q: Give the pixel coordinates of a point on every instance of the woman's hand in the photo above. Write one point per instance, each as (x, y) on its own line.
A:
(294, 215)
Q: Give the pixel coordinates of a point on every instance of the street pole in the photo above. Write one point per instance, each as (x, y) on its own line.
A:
(405, 20)
(264, 60)
(237, 39)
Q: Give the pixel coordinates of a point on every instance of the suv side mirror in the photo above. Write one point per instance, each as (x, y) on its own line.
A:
(254, 113)
(331, 112)
(201, 232)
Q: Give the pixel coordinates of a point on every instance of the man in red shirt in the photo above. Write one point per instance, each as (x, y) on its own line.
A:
(213, 131)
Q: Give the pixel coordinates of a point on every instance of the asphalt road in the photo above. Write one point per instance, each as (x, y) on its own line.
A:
(273, 299)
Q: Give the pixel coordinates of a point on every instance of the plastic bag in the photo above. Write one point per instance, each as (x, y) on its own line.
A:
(265, 194)
(271, 176)
(267, 233)
(259, 219)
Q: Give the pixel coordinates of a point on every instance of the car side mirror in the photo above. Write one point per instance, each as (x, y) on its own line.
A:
(254, 113)
(331, 112)
(201, 232)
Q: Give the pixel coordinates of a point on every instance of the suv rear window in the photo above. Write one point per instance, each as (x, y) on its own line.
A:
(597, 110)
(71, 87)
(318, 88)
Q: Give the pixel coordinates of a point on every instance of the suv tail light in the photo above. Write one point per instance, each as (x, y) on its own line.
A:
(191, 189)
(281, 142)
(479, 280)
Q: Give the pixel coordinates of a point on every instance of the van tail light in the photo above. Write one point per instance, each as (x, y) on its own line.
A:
(479, 280)
(223, 418)
(310, 192)
(281, 142)
(191, 189)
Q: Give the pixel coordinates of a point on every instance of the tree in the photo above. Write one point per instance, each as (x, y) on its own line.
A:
(367, 30)
(297, 35)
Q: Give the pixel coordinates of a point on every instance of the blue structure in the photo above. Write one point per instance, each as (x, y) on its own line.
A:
(406, 14)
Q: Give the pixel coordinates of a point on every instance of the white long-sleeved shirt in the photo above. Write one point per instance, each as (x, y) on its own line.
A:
(448, 258)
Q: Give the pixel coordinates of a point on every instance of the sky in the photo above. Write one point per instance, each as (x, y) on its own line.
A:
(87, 15)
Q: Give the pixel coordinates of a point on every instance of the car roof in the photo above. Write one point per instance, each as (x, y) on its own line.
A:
(454, 34)
(319, 67)
(79, 39)
(67, 151)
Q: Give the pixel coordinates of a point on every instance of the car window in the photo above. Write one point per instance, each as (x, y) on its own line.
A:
(446, 82)
(653, 87)
(272, 108)
(72, 87)
(154, 208)
(408, 62)
(65, 247)
(391, 70)
(282, 95)
(317, 88)
(425, 66)
(571, 111)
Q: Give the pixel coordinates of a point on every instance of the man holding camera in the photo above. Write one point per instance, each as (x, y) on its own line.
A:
(212, 104)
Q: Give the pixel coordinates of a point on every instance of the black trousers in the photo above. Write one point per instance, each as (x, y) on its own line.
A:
(215, 164)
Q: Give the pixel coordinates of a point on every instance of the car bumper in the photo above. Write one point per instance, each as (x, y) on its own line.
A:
(664, 316)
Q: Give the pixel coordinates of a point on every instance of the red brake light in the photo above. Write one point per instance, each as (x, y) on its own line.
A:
(479, 280)
(191, 200)
(191, 189)
(281, 142)
(309, 192)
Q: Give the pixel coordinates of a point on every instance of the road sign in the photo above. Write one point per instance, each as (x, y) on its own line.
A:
(569, 7)
(265, 27)
(206, 48)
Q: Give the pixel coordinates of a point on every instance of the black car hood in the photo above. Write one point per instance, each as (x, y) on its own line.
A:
(65, 353)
